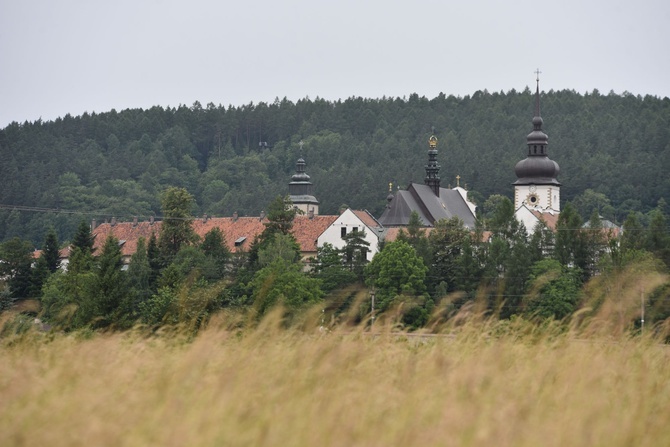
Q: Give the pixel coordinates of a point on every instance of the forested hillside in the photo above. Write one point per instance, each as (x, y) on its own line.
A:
(614, 153)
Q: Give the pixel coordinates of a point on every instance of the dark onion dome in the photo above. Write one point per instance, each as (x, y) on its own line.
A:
(300, 175)
(537, 168)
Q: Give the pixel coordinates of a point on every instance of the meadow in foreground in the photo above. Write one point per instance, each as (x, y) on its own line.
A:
(487, 383)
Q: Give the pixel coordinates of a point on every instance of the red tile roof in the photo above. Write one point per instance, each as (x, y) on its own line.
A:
(367, 218)
(124, 231)
(305, 230)
(548, 218)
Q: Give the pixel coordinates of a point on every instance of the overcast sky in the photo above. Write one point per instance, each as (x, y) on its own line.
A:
(72, 56)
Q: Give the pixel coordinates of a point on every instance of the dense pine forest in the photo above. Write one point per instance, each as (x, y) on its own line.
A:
(614, 153)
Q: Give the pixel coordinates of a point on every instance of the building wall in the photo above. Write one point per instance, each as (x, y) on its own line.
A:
(538, 196)
(345, 224)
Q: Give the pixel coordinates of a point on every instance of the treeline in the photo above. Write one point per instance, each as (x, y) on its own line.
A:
(614, 151)
(179, 279)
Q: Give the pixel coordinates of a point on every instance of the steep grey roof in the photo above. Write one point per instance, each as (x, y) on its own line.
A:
(431, 208)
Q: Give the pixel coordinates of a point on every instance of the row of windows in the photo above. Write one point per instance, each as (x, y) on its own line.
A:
(343, 231)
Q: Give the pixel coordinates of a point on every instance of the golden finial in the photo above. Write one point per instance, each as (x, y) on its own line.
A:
(432, 142)
(458, 181)
(390, 186)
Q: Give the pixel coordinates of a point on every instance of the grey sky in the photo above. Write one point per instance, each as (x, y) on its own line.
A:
(71, 56)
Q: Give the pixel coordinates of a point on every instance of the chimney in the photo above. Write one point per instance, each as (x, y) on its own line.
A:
(113, 221)
(134, 221)
(262, 215)
(94, 225)
(310, 214)
(235, 216)
(151, 220)
(204, 217)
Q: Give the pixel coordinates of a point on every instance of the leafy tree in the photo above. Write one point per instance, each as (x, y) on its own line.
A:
(17, 257)
(51, 251)
(447, 240)
(139, 284)
(110, 288)
(280, 216)
(658, 237)
(284, 283)
(214, 247)
(155, 261)
(280, 221)
(396, 271)
(330, 269)
(633, 235)
(355, 253)
(176, 229)
(416, 237)
(571, 250)
(553, 290)
(281, 247)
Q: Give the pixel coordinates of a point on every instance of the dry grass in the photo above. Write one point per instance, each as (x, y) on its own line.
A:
(290, 387)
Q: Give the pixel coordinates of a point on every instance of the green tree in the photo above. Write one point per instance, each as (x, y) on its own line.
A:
(155, 261)
(215, 249)
(280, 216)
(280, 247)
(176, 229)
(658, 236)
(330, 269)
(16, 256)
(51, 251)
(139, 284)
(395, 272)
(553, 290)
(416, 237)
(110, 288)
(355, 253)
(571, 249)
(283, 283)
(83, 239)
(447, 240)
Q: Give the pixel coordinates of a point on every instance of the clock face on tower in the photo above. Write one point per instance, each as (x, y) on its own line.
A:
(532, 188)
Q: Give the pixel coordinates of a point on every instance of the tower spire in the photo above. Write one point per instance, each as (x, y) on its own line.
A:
(433, 168)
(537, 92)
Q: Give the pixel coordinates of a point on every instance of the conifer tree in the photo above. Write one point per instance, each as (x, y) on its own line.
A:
(176, 229)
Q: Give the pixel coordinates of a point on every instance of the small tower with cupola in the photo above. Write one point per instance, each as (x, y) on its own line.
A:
(301, 190)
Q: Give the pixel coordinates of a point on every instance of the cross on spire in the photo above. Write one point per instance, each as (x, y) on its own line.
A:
(301, 144)
(458, 181)
(537, 75)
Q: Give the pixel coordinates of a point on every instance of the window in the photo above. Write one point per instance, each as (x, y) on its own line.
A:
(343, 231)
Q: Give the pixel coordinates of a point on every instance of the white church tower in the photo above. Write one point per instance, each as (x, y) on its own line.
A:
(537, 190)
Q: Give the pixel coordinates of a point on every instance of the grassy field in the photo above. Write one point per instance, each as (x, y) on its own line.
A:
(487, 383)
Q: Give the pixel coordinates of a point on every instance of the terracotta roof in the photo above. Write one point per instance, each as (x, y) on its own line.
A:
(244, 229)
(63, 253)
(550, 219)
(233, 229)
(367, 218)
(306, 231)
(124, 231)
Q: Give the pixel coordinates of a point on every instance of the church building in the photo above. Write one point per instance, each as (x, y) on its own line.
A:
(430, 201)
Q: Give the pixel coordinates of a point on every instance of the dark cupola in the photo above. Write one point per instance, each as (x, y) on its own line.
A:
(433, 168)
(537, 168)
